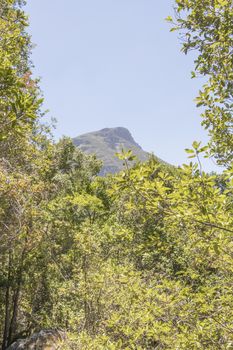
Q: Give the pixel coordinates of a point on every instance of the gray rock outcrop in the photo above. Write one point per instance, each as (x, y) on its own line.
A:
(44, 340)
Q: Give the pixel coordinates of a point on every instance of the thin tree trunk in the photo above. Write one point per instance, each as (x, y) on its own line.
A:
(13, 322)
(86, 308)
(12, 326)
(7, 304)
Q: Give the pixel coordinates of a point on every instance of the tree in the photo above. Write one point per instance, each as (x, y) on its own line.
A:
(22, 156)
(207, 27)
(19, 102)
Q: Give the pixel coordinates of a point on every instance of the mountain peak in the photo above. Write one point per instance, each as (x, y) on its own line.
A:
(106, 143)
(115, 137)
(119, 131)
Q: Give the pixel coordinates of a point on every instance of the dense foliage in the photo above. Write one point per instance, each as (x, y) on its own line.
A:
(139, 260)
(207, 27)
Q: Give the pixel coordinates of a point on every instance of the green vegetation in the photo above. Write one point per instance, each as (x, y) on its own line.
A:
(139, 260)
(207, 27)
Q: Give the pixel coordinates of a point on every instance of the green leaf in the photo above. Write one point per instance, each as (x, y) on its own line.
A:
(187, 150)
(169, 19)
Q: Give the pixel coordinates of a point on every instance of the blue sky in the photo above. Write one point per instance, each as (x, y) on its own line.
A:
(110, 63)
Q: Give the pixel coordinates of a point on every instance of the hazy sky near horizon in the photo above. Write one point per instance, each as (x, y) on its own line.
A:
(110, 63)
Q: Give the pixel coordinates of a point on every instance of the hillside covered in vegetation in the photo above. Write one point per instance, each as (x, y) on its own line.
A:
(106, 143)
(139, 260)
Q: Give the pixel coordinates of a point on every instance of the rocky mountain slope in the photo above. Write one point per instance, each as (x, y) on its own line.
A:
(106, 143)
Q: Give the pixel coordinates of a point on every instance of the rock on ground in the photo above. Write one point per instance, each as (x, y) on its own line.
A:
(44, 340)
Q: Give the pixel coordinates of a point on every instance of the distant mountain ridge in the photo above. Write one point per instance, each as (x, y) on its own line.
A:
(106, 143)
